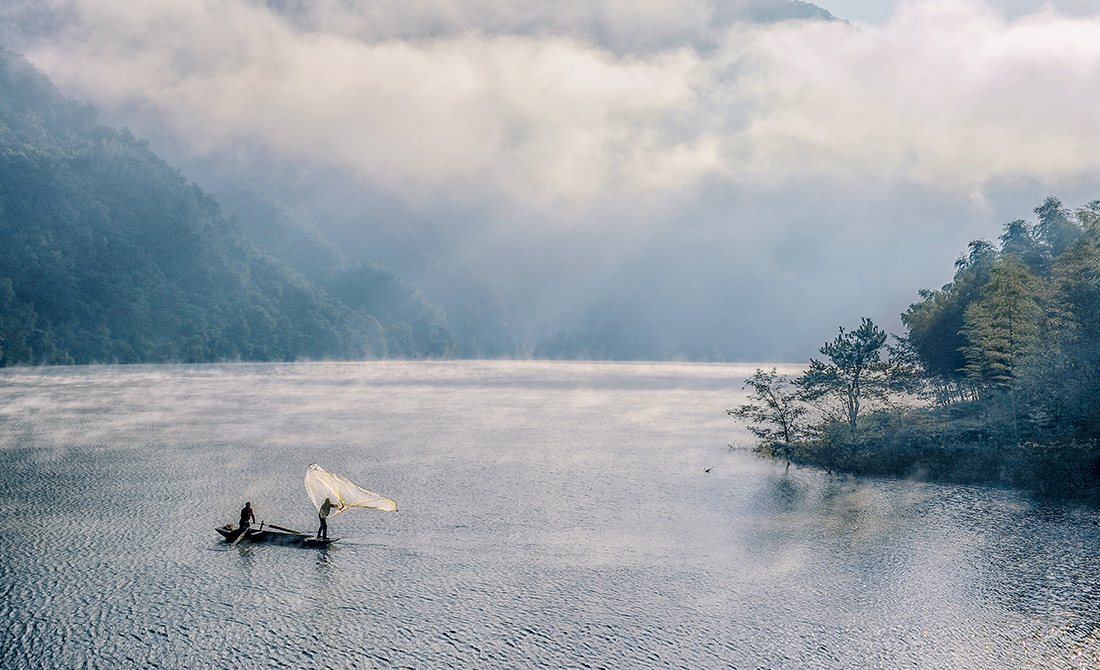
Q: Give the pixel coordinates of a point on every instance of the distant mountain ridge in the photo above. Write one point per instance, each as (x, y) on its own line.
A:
(110, 255)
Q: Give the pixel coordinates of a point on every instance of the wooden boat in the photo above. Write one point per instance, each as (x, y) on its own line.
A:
(321, 486)
(272, 534)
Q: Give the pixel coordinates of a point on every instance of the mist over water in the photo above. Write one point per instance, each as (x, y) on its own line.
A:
(552, 515)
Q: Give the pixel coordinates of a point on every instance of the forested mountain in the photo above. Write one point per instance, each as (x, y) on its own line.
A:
(108, 254)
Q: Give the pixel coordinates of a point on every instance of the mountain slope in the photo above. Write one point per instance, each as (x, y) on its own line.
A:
(110, 255)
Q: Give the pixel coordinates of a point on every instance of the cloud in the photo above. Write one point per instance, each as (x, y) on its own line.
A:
(585, 145)
(526, 118)
(946, 94)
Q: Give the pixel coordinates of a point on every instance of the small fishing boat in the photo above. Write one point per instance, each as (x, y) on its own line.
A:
(323, 487)
(271, 534)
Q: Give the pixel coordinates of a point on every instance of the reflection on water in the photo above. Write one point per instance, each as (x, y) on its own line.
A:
(552, 515)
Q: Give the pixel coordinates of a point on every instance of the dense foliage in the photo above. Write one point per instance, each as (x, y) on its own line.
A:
(109, 254)
(996, 379)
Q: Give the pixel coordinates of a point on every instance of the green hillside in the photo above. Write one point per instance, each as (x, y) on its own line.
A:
(108, 254)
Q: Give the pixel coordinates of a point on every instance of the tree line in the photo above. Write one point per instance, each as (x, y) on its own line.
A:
(995, 379)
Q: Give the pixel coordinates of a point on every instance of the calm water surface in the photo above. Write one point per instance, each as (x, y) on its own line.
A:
(553, 515)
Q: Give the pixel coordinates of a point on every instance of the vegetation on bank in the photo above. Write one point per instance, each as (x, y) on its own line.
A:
(996, 379)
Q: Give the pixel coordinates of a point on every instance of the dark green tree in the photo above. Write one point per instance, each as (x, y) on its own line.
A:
(775, 413)
(855, 377)
(1068, 379)
(935, 324)
(1002, 328)
(1019, 239)
(1056, 227)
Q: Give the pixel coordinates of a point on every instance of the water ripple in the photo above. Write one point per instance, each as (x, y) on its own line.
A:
(552, 517)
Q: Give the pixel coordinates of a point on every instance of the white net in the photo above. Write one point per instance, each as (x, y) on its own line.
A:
(344, 495)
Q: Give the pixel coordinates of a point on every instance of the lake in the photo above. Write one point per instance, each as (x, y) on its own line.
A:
(551, 515)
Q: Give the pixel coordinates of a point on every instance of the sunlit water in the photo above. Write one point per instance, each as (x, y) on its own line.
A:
(553, 515)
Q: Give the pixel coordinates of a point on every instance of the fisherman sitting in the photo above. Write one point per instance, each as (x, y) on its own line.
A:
(322, 514)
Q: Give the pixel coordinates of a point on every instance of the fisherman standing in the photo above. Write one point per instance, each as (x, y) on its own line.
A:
(322, 514)
(247, 517)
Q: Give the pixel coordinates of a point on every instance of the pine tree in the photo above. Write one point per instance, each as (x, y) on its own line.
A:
(854, 375)
(1002, 328)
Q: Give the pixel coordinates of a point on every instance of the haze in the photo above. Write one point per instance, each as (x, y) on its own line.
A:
(727, 187)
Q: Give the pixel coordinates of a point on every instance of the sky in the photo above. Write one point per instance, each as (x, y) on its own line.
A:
(743, 188)
(880, 11)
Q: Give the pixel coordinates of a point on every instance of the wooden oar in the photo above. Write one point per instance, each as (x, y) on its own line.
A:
(244, 531)
(296, 532)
